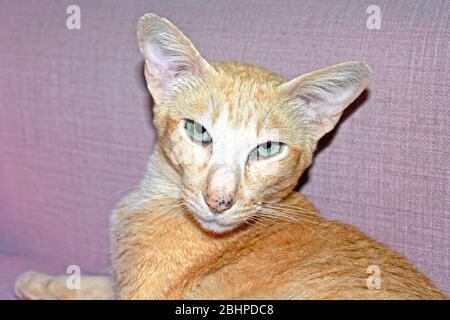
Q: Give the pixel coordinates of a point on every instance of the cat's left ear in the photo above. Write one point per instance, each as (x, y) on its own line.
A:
(327, 92)
(170, 57)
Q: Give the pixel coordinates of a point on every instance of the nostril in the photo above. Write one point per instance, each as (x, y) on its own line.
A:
(218, 204)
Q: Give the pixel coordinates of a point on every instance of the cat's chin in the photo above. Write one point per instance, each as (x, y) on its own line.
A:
(215, 226)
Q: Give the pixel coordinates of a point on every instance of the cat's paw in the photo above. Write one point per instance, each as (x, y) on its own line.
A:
(33, 285)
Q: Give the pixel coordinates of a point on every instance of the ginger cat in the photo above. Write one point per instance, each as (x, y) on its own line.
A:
(216, 216)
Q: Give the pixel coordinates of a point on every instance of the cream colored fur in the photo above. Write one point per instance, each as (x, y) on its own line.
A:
(166, 240)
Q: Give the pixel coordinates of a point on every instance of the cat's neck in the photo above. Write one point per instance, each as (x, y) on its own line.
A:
(160, 181)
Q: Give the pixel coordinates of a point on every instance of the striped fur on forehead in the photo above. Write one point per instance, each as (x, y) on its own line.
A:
(239, 102)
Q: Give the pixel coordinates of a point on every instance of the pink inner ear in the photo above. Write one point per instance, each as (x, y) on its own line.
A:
(158, 65)
(326, 111)
(327, 105)
(326, 118)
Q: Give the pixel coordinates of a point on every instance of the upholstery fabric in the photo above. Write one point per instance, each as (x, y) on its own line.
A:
(75, 125)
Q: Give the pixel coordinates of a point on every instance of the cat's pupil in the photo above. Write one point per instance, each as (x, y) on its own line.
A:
(197, 132)
(267, 149)
(199, 128)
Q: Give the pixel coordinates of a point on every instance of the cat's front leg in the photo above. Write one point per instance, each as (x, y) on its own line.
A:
(152, 253)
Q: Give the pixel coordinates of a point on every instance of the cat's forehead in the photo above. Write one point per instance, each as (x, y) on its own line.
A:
(246, 120)
(241, 103)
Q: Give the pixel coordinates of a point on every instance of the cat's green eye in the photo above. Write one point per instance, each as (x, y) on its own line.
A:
(266, 150)
(197, 132)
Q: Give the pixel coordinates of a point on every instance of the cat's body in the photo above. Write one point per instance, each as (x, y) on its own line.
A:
(246, 235)
(305, 257)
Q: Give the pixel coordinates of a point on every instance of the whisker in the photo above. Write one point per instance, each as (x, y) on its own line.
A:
(291, 209)
(304, 222)
(284, 205)
(289, 216)
(134, 204)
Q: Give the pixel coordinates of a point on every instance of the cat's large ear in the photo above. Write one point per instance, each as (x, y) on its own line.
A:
(170, 56)
(327, 92)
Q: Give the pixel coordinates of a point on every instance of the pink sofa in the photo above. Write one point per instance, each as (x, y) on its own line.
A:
(75, 127)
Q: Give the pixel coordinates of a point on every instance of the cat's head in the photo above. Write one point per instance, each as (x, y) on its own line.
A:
(237, 136)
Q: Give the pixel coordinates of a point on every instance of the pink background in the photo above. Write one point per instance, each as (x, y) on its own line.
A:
(75, 127)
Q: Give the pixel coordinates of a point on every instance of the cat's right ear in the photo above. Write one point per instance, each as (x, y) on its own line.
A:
(170, 57)
(327, 92)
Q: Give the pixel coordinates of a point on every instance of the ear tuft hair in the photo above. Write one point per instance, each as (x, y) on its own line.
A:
(327, 92)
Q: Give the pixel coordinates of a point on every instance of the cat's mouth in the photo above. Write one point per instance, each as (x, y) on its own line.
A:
(215, 223)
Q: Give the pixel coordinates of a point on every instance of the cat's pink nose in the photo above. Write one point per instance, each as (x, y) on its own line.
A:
(220, 193)
(219, 203)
